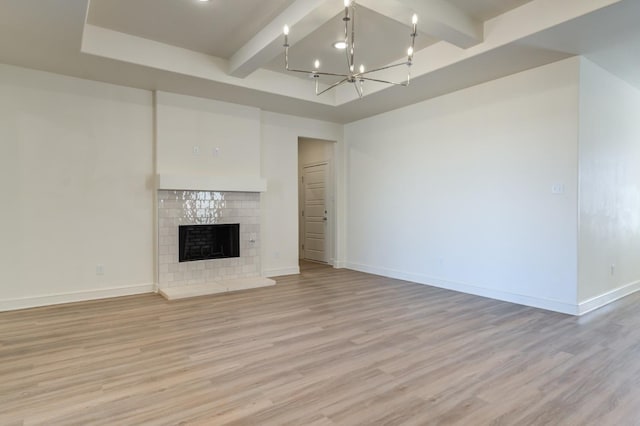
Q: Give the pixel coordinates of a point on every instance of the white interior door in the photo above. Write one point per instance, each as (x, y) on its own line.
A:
(314, 180)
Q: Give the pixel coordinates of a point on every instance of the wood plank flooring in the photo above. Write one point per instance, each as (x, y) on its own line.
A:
(327, 347)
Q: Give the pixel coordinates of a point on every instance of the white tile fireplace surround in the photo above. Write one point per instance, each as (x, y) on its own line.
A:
(185, 279)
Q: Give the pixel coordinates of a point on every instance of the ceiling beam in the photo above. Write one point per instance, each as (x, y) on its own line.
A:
(303, 17)
(437, 18)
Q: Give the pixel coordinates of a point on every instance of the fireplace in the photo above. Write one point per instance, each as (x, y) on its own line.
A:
(202, 242)
(238, 211)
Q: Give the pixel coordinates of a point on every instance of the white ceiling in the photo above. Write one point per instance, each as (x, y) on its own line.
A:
(217, 28)
(232, 50)
(487, 9)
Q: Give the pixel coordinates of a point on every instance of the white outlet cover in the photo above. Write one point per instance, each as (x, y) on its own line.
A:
(557, 188)
(196, 150)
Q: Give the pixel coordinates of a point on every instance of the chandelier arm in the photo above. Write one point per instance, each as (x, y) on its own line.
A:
(300, 71)
(413, 42)
(414, 33)
(358, 87)
(346, 51)
(346, 38)
(404, 83)
(329, 74)
(385, 68)
(286, 51)
(336, 84)
(317, 73)
(353, 35)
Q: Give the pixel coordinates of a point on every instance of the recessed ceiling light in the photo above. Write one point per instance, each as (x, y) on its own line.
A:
(340, 45)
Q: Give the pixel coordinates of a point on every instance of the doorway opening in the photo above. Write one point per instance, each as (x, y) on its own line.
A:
(316, 210)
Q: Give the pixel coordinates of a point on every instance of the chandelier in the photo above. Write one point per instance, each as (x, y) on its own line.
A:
(359, 76)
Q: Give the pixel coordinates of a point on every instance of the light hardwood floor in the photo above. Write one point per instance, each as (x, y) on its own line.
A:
(322, 348)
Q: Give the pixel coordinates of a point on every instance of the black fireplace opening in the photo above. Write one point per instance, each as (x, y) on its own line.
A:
(201, 242)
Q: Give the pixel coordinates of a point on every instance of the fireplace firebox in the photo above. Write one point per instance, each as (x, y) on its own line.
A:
(201, 242)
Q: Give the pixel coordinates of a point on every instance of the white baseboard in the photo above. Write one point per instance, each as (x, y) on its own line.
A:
(339, 264)
(608, 297)
(292, 270)
(550, 305)
(77, 296)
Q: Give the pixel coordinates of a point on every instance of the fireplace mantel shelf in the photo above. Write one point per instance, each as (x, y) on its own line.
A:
(211, 183)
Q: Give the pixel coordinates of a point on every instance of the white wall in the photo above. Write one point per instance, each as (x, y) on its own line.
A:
(280, 135)
(314, 151)
(609, 186)
(456, 191)
(184, 122)
(76, 166)
(77, 179)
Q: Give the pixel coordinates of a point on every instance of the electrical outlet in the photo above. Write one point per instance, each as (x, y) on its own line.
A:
(99, 270)
(216, 152)
(196, 150)
(613, 269)
(557, 188)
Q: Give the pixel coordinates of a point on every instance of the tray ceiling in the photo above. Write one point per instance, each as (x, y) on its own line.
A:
(232, 50)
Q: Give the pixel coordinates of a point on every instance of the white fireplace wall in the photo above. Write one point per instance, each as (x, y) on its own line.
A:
(203, 137)
(177, 208)
(253, 144)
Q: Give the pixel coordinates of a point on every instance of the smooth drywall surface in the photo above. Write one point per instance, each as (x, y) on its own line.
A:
(279, 206)
(457, 191)
(609, 249)
(197, 136)
(312, 152)
(76, 163)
